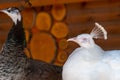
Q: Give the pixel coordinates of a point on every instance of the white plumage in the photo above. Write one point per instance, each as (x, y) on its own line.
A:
(90, 62)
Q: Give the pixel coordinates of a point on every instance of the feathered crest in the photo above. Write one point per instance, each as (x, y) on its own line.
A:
(98, 32)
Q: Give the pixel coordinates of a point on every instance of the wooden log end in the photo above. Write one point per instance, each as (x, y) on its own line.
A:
(43, 21)
(58, 12)
(63, 44)
(43, 46)
(60, 30)
(28, 18)
(61, 58)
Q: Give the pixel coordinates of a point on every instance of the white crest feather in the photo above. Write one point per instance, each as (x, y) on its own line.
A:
(98, 32)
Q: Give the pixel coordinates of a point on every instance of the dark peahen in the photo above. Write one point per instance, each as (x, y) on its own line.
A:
(14, 64)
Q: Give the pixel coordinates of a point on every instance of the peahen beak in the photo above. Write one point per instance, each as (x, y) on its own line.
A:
(4, 11)
(1, 10)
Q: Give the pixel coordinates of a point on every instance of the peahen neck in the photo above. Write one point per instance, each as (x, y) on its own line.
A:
(16, 41)
(16, 36)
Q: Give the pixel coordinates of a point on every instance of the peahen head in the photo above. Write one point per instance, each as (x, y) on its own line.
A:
(13, 13)
(86, 40)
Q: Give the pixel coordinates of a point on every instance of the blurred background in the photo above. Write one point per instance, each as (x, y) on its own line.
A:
(49, 23)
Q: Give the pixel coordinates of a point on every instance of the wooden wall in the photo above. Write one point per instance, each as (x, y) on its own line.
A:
(45, 42)
(81, 18)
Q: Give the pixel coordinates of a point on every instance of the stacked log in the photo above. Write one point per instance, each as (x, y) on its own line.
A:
(58, 12)
(43, 21)
(29, 16)
(43, 46)
(49, 34)
(59, 30)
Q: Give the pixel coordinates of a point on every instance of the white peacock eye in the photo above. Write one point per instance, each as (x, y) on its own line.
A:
(84, 39)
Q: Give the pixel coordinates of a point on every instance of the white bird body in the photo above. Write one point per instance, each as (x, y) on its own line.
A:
(90, 62)
(112, 58)
(86, 65)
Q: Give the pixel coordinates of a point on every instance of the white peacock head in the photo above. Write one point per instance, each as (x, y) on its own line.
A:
(13, 13)
(86, 40)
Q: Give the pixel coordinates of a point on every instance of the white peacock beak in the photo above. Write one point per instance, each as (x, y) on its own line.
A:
(72, 39)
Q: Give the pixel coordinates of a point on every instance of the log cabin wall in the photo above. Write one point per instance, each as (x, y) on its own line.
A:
(51, 23)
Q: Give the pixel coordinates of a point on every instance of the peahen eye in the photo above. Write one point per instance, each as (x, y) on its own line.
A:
(9, 11)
